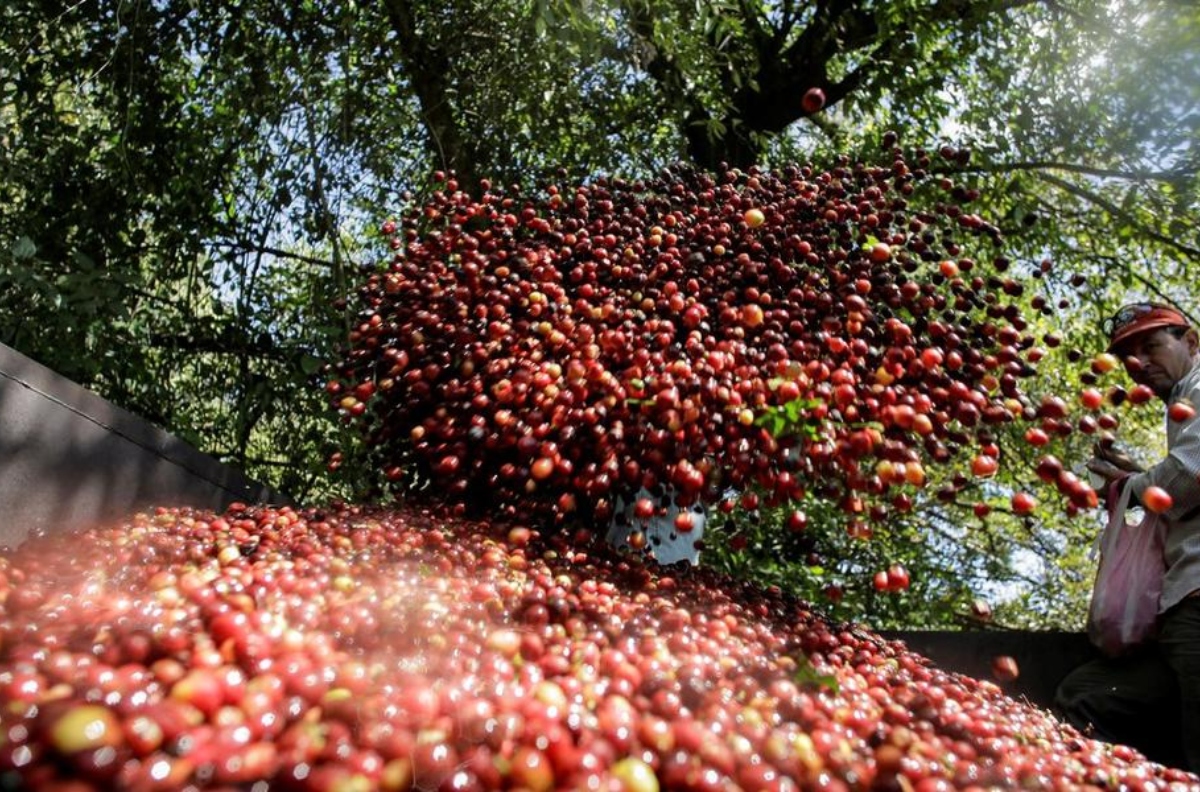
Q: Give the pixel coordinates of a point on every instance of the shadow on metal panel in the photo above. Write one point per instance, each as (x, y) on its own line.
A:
(70, 459)
(1043, 658)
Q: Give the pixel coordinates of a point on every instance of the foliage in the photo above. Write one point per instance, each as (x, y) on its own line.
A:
(185, 187)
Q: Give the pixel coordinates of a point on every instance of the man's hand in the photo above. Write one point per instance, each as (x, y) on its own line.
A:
(1110, 463)
(1115, 457)
(1105, 470)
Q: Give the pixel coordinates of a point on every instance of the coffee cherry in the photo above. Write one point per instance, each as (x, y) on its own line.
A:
(1091, 398)
(984, 466)
(797, 521)
(813, 100)
(1157, 499)
(1048, 468)
(368, 648)
(1004, 668)
(547, 354)
(1104, 363)
(1023, 503)
(897, 578)
(84, 728)
(1140, 394)
(1181, 411)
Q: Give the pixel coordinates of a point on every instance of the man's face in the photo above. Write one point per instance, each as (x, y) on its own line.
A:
(1158, 359)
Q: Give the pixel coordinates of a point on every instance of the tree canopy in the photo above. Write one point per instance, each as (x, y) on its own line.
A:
(188, 191)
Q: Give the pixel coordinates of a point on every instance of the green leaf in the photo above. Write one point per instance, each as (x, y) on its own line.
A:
(24, 248)
(310, 365)
(806, 675)
(790, 419)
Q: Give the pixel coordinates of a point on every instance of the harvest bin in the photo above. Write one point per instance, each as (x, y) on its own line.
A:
(69, 458)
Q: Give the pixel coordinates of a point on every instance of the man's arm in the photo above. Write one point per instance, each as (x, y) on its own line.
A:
(1178, 474)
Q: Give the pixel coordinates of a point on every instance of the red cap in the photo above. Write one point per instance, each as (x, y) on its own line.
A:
(1143, 318)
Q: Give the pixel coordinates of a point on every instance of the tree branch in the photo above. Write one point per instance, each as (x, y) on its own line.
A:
(758, 34)
(1169, 177)
(267, 250)
(428, 69)
(1116, 211)
(253, 460)
(789, 15)
(661, 68)
(835, 27)
(225, 342)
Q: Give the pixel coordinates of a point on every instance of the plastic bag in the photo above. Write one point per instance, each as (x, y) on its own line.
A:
(1124, 608)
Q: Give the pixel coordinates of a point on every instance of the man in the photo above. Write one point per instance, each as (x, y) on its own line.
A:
(1151, 699)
